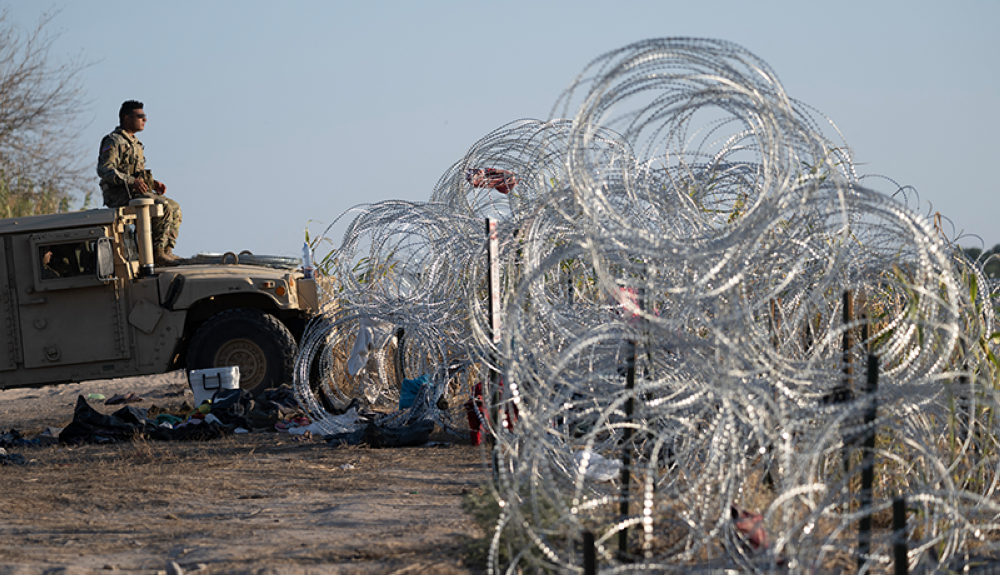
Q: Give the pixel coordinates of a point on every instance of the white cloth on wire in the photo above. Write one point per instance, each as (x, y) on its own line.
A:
(372, 336)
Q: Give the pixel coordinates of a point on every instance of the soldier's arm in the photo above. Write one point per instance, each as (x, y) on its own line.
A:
(108, 164)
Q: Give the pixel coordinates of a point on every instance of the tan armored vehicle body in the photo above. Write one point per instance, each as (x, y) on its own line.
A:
(80, 299)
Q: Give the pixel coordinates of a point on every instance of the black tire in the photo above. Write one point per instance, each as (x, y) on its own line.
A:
(315, 384)
(259, 344)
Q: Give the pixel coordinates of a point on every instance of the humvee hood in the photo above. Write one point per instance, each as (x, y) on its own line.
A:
(182, 286)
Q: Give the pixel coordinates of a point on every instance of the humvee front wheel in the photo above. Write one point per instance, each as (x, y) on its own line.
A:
(257, 343)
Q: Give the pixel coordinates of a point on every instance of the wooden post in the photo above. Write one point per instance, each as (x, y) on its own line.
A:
(493, 255)
(493, 308)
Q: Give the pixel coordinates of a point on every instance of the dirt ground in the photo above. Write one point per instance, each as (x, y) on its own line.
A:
(261, 503)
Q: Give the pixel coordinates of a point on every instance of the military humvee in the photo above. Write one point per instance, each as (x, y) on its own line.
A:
(80, 299)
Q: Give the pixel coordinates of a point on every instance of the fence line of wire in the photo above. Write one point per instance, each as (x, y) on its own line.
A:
(693, 281)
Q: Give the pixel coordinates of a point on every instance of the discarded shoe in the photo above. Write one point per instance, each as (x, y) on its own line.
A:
(120, 399)
(116, 399)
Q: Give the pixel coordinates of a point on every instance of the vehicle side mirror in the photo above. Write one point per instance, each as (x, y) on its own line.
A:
(105, 260)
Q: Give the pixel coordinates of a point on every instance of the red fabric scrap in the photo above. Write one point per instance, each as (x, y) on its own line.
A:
(751, 526)
(495, 178)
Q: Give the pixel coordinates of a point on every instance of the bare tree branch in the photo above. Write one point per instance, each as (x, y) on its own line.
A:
(41, 101)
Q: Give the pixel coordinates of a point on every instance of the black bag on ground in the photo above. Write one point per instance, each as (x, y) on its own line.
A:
(411, 435)
(92, 426)
(374, 435)
(129, 422)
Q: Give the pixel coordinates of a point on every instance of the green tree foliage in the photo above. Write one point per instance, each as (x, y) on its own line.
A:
(41, 100)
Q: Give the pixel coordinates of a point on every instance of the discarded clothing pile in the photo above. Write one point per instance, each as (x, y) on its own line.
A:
(404, 428)
(11, 458)
(299, 425)
(230, 411)
(374, 434)
(13, 439)
(282, 397)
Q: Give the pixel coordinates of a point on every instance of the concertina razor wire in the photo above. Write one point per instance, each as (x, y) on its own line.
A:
(693, 279)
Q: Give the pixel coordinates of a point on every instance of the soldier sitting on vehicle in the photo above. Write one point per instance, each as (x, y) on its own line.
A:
(121, 166)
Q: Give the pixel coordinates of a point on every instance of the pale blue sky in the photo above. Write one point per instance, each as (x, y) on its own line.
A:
(265, 115)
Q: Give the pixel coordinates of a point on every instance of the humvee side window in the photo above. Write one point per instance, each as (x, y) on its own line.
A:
(67, 260)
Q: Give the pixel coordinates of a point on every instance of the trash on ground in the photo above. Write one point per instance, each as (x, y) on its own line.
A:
(410, 388)
(13, 438)
(229, 410)
(205, 383)
(404, 428)
(11, 458)
(49, 435)
(120, 398)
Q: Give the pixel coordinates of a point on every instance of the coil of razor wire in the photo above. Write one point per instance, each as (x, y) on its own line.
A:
(720, 270)
(401, 275)
(694, 281)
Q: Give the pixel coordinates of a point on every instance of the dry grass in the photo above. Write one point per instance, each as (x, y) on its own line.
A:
(260, 503)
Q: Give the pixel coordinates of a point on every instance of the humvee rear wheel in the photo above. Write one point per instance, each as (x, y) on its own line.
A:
(257, 343)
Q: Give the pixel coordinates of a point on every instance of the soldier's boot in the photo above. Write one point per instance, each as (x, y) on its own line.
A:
(165, 257)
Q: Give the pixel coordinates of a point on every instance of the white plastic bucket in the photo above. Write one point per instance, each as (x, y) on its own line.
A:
(205, 382)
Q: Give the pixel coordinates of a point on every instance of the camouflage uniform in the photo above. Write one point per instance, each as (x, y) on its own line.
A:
(119, 164)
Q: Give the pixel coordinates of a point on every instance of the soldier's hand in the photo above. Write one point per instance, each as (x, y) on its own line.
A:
(140, 186)
(160, 187)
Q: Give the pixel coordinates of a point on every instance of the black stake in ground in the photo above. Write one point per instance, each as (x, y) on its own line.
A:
(868, 464)
(589, 554)
(774, 324)
(848, 342)
(844, 393)
(630, 359)
(626, 447)
(900, 545)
